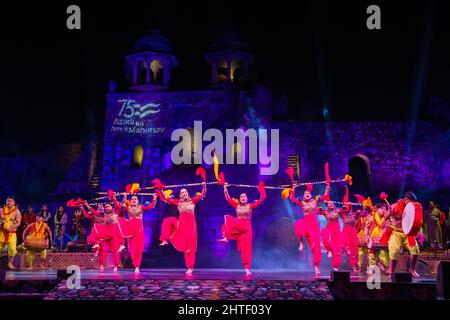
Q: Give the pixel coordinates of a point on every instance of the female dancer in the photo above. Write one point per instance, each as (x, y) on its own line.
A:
(182, 232)
(106, 235)
(331, 234)
(240, 228)
(308, 227)
(133, 229)
(350, 238)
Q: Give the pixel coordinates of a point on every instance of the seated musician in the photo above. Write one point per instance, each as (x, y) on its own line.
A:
(36, 240)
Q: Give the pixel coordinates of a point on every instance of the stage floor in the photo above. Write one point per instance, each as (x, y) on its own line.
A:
(199, 274)
(173, 284)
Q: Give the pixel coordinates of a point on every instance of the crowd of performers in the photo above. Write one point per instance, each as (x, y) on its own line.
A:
(372, 230)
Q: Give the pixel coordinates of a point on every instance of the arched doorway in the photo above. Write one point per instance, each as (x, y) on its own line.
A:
(359, 169)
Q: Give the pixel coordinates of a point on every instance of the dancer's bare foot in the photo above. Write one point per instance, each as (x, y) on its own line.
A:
(10, 266)
(42, 266)
(247, 272)
(414, 274)
(189, 271)
(301, 247)
(102, 268)
(317, 271)
(335, 269)
(330, 254)
(355, 269)
(225, 240)
(115, 269)
(30, 268)
(164, 243)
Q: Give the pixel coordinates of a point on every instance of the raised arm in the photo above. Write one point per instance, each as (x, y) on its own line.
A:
(326, 195)
(262, 196)
(118, 205)
(200, 196)
(95, 212)
(293, 198)
(163, 197)
(346, 208)
(228, 198)
(86, 214)
(151, 205)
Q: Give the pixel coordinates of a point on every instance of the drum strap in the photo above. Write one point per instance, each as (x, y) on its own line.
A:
(412, 241)
(386, 235)
(7, 233)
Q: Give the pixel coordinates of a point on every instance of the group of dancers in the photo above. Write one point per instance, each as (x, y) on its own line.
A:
(373, 230)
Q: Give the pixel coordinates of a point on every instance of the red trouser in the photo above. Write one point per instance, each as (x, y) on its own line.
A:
(241, 231)
(133, 230)
(109, 238)
(309, 228)
(182, 234)
(350, 244)
(331, 239)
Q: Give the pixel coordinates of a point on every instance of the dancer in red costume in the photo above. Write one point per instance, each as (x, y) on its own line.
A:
(106, 235)
(331, 234)
(350, 238)
(349, 234)
(182, 232)
(240, 228)
(308, 227)
(133, 229)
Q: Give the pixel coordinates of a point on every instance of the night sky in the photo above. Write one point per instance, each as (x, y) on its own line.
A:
(53, 80)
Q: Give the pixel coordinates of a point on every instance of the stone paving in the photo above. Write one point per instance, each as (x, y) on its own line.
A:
(193, 290)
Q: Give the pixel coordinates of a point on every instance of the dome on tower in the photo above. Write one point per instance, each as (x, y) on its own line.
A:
(230, 39)
(153, 40)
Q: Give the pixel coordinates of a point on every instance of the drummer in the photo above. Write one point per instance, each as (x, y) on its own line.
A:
(38, 230)
(398, 239)
(377, 254)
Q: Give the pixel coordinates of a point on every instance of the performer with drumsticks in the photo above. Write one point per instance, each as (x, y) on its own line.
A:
(37, 237)
(406, 219)
(133, 229)
(10, 219)
(240, 228)
(378, 253)
(182, 232)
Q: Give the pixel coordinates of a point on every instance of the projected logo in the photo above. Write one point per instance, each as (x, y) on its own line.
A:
(135, 118)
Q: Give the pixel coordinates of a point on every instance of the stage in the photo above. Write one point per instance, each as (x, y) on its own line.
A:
(205, 284)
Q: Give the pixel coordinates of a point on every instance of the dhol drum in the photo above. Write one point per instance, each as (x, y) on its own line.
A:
(412, 218)
(374, 244)
(36, 244)
(362, 242)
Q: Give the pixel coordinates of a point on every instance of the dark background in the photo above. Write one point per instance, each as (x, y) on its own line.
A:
(317, 53)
